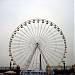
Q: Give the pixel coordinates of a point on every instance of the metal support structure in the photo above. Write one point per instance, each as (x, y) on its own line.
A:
(31, 56)
(40, 63)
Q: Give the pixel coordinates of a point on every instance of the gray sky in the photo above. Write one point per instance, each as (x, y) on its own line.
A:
(15, 12)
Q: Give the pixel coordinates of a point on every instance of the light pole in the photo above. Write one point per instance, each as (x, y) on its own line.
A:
(10, 65)
(64, 66)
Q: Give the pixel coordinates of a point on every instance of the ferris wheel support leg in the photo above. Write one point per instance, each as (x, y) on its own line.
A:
(30, 57)
(40, 63)
(29, 60)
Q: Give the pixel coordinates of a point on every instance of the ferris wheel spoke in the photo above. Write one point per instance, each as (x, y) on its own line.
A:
(44, 64)
(55, 51)
(49, 50)
(43, 29)
(51, 56)
(19, 44)
(58, 41)
(34, 30)
(57, 48)
(55, 38)
(40, 29)
(25, 34)
(57, 44)
(23, 55)
(30, 31)
(52, 36)
(26, 65)
(36, 25)
(24, 58)
(47, 33)
(17, 47)
(48, 58)
(33, 62)
(16, 55)
(46, 30)
(21, 60)
(20, 49)
(17, 40)
(22, 36)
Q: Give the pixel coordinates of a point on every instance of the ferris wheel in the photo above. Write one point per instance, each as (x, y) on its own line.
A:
(35, 37)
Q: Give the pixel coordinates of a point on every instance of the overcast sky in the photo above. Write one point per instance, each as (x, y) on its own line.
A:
(15, 12)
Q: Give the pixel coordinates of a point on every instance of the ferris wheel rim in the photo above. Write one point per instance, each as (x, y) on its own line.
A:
(37, 20)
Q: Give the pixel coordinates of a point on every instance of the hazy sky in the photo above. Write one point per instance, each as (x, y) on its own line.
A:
(15, 12)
